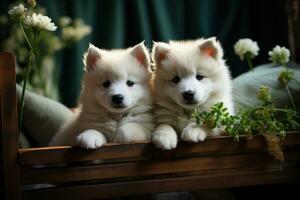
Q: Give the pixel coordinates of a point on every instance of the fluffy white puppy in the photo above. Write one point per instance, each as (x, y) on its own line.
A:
(188, 75)
(115, 101)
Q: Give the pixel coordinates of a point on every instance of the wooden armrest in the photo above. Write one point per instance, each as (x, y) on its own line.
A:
(9, 127)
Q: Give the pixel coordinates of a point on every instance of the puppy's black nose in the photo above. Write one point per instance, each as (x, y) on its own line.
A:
(188, 95)
(117, 99)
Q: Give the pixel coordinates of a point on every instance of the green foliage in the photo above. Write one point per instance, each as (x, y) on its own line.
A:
(262, 119)
(265, 118)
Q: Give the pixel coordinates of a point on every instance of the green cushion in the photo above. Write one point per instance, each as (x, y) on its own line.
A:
(42, 117)
(246, 86)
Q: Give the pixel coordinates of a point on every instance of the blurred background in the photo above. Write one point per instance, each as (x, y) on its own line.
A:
(122, 23)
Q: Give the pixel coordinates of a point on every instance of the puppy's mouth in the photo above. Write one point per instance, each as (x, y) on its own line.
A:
(191, 102)
(118, 106)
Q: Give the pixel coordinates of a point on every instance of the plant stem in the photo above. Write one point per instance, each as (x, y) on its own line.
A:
(31, 59)
(37, 40)
(25, 35)
(43, 84)
(294, 113)
(276, 109)
(21, 107)
(249, 62)
(290, 95)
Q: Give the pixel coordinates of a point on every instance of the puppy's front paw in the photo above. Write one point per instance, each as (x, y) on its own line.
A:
(192, 133)
(131, 132)
(165, 140)
(91, 139)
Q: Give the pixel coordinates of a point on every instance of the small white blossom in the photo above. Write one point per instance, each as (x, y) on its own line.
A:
(64, 21)
(245, 47)
(40, 22)
(17, 12)
(75, 33)
(279, 55)
(32, 3)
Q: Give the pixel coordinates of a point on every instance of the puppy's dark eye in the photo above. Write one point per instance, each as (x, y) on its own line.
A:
(130, 83)
(176, 79)
(106, 84)
(199, 77)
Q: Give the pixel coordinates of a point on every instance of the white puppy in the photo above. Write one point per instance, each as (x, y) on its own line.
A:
(115, 101)
(188, 75)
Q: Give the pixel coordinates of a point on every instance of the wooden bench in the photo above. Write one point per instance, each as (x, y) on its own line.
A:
(129, 169)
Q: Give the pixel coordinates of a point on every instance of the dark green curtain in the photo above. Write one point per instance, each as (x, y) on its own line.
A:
(123, 23)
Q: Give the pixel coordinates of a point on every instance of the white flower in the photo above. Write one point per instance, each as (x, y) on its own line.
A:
(17, 12)
(75, 33)
(31, 3)
(245, 47)
(40, 22)
(279, 55)
(65, 21)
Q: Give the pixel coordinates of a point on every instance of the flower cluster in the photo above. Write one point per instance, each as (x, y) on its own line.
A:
(279, 55)
(64, 21)
(37, 22)
(31, 3)
(35, 30)
(71, 34)
(246, 48)
(40, 22)
(264, 94)
(18, 12)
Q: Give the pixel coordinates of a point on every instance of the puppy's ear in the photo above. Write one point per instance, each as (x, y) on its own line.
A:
(160, 51)
(141, 53)
(212, 48)
(91, 57)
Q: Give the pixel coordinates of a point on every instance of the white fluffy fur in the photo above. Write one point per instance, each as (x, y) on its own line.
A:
(97, 120)
(186, 59)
